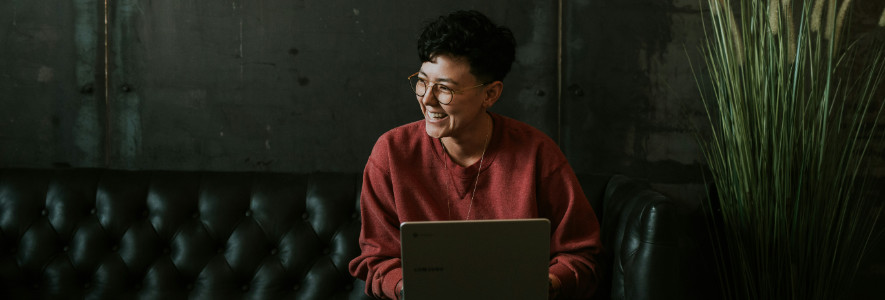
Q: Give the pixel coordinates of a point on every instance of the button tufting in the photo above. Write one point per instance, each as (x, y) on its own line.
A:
(355, 215)
(305, 216)
(44, 212)
(327, 251)
(244, 288)
(115, 248)
(296, 287)
(195, 215)
(65, 248)
(273, 251)
(92, 211)
(248, 213)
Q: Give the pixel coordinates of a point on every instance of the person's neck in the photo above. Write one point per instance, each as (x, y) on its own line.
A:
(466, 151)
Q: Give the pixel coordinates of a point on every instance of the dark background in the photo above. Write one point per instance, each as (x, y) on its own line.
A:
(308, 85)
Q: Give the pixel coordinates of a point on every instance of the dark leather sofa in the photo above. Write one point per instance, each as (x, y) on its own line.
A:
(112, 234)
(656, 248)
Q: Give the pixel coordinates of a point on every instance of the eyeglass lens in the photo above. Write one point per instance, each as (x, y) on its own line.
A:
(442, 95)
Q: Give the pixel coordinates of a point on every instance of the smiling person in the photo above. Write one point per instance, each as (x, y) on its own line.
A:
(462, 162)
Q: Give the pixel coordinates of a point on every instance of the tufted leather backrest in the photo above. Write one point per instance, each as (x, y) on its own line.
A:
(109, 234)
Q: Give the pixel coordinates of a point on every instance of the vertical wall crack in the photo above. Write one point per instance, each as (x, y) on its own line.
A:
(107, 85)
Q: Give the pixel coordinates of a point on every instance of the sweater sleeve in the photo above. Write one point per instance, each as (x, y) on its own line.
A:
(575, 237)
(379, 262)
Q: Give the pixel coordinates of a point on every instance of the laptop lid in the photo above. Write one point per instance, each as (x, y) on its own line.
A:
(481, 259)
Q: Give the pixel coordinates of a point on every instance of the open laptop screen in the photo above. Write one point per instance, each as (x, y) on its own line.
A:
(481, 259)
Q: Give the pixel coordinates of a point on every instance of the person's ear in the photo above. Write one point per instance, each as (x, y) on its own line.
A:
(492, 93)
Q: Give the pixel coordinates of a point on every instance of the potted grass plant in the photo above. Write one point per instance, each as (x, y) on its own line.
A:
(792, 102)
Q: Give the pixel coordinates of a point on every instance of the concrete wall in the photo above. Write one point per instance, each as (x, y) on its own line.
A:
(630, 100)
(49, 70)
(239, 85)
(309, 85)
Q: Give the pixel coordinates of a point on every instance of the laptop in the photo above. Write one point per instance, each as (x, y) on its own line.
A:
(481, 259)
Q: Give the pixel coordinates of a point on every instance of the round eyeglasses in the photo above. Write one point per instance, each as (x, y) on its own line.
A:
(443, 93)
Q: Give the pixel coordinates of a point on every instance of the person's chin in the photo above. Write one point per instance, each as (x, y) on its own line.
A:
(435, 131)
(436, 127)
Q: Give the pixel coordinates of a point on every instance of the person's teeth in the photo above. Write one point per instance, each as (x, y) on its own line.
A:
(437, 115)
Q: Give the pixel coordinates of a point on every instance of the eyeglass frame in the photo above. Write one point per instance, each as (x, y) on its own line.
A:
(430, 87)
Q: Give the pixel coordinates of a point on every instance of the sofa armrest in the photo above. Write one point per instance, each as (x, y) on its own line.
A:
(645, 236)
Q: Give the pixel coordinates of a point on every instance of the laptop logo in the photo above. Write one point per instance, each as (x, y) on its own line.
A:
(428, 269)
(424, 235)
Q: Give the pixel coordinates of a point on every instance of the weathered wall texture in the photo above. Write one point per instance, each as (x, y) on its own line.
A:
(49, 109)
(630, 99)
(309, 85)
(239, 85)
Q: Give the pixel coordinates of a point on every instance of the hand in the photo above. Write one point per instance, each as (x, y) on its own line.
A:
(555, 285)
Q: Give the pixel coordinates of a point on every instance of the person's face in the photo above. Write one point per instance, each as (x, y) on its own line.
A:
(464, 114)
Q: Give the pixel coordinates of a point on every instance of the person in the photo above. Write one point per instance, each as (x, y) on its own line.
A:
(462, 162)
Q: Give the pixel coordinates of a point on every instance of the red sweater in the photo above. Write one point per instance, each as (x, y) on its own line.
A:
(524, 175)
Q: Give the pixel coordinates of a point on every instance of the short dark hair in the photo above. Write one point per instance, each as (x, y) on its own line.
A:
(489, 49)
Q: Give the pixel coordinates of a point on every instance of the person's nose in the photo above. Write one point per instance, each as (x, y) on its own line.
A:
(429, 97)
